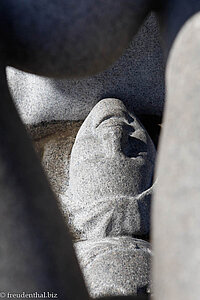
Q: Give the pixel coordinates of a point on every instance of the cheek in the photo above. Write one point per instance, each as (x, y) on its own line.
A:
(85, 148)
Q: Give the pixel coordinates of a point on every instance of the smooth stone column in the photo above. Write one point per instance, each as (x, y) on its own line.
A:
(176, 213)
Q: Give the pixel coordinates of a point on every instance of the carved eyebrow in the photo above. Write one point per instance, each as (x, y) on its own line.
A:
(120, 114)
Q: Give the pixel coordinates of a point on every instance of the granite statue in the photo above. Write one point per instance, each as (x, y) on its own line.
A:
(36, 248)
(109, 199)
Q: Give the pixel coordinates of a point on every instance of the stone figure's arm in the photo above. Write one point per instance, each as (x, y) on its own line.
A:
(67, 37)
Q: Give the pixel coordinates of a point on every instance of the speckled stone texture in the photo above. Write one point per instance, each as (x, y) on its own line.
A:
(67, 38)
(36, 250)
(53, 143)
(137, 78)
(108, 201)
(115, 266)
(111, 169)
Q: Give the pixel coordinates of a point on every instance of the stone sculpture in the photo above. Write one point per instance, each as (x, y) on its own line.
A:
(33, 235)
(111, 170)
(109, 199)
(33, 238)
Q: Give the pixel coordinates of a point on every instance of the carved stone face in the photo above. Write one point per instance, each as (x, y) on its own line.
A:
(112, 156)
(112, 162)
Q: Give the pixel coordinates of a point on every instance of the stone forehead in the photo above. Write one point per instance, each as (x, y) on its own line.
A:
(107, 103)
(109, 107)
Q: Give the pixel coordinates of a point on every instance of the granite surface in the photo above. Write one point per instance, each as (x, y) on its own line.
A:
(114, 146)
(53, 143)
(137, 78)
(36, 249)
(176, 210)
(61, 38)
(33, 235)
(113, 259)
(111, 171)
(115, 266)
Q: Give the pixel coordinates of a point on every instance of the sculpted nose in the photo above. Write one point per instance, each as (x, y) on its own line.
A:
(113, 139)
